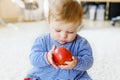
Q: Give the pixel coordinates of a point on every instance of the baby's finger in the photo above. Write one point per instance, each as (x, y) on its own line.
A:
(63, 66)
(54, 65)
(53, 48)
(67, 62)
(73, 57)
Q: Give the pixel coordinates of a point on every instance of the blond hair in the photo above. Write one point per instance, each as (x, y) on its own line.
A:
(65, 10)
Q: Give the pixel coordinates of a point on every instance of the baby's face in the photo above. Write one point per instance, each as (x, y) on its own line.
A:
(63, 32)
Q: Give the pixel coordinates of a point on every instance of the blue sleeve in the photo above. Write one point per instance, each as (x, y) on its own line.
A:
(38, 54)
(85, 57)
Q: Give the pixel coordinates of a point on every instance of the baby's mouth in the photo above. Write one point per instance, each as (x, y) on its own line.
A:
(63, 41)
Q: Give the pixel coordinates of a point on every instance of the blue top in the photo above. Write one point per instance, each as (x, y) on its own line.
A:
(79, 48)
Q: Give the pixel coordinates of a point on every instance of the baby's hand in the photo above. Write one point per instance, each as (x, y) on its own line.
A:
(69, 64)
(50, 56)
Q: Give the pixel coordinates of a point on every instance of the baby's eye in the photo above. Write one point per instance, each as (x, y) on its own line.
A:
(70, 32)
(57, 30)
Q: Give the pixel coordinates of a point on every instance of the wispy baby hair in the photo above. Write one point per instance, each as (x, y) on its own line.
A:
(65, 10)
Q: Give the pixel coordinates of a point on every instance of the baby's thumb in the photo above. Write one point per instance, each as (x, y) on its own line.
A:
(53, 47)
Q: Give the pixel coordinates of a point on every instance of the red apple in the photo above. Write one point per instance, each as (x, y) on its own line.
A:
(61, 55)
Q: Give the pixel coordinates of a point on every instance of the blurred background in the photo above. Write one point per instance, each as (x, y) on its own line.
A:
(36, 10)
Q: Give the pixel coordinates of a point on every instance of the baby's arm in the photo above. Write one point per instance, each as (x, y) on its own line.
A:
(85, 57)
(38, 54)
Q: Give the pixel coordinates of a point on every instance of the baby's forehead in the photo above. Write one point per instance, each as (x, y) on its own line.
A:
(62, 24)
